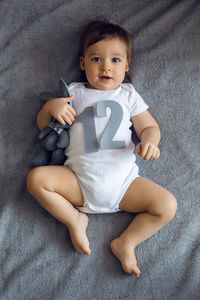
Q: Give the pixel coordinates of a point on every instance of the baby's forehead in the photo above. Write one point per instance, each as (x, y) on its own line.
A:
(113, 45)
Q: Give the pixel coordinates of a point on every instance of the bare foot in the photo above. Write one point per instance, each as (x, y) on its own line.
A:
(126, 255)
(78, 234)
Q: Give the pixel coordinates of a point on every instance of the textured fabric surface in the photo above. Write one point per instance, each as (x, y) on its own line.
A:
(39, 45)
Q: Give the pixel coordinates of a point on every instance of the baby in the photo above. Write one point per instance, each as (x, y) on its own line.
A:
(100, 174)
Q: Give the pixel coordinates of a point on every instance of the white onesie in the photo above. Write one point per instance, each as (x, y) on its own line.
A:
(101, 150)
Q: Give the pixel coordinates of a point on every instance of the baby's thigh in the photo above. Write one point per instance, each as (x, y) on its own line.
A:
(145, 195)
(58, 179)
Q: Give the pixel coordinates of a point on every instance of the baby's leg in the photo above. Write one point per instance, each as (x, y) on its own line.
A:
(57, 189)
(156, 207)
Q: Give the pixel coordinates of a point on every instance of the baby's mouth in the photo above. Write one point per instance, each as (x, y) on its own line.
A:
(105, 77)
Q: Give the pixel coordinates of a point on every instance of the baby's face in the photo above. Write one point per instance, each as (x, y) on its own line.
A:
(105, 64)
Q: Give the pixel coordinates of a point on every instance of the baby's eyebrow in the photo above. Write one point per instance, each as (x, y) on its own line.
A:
(94, 54)
(114, 54)
(117, 54)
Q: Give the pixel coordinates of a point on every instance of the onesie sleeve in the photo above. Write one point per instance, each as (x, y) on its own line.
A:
(137, 104)
(72, 86)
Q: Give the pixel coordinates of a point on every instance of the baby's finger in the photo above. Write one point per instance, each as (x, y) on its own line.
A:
(157, 154)
(70, 98)
(70, 108)
(149, 153)
(154, 154)
(144, 150)
(138, 149)
(70, 115)
(67, 119)
(61, 120)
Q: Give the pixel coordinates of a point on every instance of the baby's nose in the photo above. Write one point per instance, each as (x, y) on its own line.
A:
(106, 66)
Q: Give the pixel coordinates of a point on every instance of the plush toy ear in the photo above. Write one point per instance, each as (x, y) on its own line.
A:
(45, 96)
(63, 90)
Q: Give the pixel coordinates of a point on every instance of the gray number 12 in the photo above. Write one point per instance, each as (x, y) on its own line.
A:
(87, 119)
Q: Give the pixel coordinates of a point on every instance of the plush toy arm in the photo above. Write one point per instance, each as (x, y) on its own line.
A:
(50, 141)
(41, 159)
(58, 157)
(63, 141)
(44, 133)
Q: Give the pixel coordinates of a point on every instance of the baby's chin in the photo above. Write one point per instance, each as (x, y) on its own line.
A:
(102, 86)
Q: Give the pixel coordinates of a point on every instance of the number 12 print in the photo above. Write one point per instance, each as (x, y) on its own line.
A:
(106, 141)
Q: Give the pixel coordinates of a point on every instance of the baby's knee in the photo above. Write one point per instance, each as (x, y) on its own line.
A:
(33, 180)
(169, 206)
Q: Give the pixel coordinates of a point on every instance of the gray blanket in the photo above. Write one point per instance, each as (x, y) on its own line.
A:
(39, 45)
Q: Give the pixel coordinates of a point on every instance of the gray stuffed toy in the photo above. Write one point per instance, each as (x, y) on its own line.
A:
(55, 137)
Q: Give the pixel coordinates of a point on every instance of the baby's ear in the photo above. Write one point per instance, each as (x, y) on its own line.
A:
(82, 63)
(127, 66)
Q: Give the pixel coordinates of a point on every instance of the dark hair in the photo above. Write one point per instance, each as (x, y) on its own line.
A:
(96, 31)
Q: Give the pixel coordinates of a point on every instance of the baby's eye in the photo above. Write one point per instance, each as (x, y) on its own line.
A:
(115, 59)
(96, 59)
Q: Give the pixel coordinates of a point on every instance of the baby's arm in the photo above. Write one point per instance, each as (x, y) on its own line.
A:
(148, 131)
(59, 109)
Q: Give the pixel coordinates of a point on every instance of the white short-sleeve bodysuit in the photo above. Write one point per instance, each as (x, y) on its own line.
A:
(101, 150)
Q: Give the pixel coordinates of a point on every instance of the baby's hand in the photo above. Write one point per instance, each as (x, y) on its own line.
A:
(147, 151)
(61, 110)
